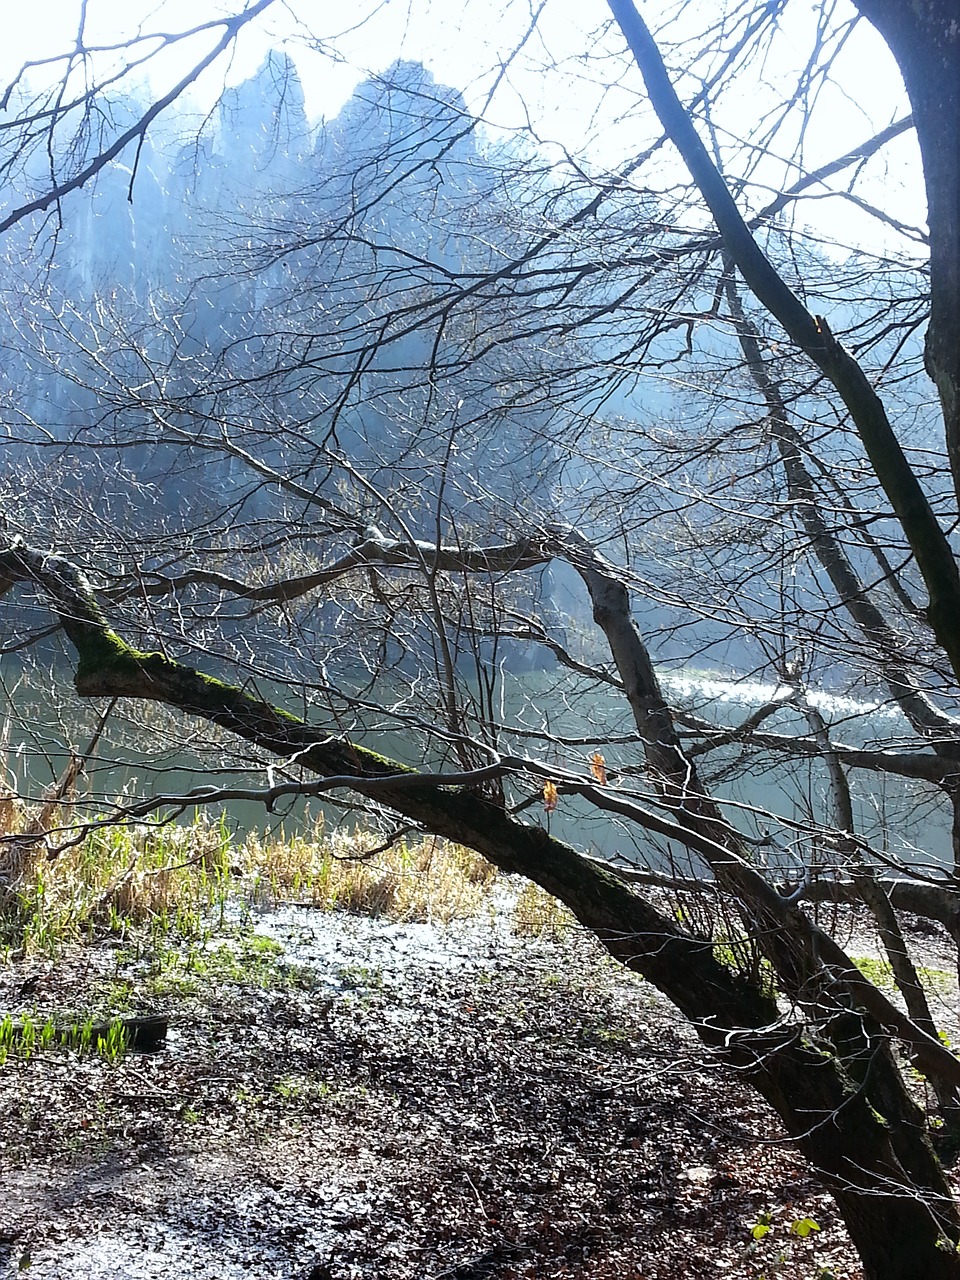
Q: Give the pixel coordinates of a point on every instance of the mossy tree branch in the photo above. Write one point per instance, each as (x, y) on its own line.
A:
(863, 1134)
(108, 667)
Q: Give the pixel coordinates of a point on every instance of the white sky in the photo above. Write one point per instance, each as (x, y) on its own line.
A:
(566, 98)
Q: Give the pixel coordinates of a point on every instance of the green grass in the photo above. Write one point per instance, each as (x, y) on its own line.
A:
(26, 1036)
(876, 971)
(880, 973)
(116, 881)
(297, 1087)
(176, 903)
(240, 958)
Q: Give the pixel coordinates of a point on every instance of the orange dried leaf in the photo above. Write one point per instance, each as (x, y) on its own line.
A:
(549, 796)
(598, 767)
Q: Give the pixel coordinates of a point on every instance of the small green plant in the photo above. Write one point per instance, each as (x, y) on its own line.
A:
(763, 1226)
(803, 1227)
(27, 1036)
(290, 1087)
(611, 1037)
(301, 1088)
(114, 1044)
(244, 1097)
(778, 1232)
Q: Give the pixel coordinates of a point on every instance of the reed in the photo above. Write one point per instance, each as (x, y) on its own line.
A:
(60, 887)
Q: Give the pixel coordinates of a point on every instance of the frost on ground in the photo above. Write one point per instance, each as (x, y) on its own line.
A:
(343, 1098)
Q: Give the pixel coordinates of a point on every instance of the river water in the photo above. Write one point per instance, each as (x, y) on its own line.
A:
(146, 749)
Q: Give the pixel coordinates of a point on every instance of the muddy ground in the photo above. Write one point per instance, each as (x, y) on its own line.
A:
(340, 1097)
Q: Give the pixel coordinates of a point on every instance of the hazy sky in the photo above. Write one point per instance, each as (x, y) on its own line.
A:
(459, 41)
(564, 84)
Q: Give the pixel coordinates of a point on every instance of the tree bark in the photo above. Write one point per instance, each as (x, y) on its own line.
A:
(924, 37)
(812, 334)
(846, 1108)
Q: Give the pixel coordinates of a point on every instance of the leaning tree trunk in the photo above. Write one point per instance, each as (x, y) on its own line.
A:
(924, 37)
(848, 1112)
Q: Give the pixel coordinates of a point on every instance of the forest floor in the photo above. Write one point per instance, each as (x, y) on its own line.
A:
(344, 1097)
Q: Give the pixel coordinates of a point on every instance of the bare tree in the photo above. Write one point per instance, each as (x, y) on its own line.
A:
(408, 427)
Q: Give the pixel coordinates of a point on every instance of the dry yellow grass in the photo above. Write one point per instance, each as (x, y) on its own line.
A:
(114, 879)
(179, 877)
(537, 914)
(425, 879)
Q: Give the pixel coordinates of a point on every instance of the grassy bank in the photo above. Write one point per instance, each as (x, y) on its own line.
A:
(59, 888)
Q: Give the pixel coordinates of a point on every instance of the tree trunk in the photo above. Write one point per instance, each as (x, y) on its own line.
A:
(924, 37)
(838, 1095)
(868, 1157)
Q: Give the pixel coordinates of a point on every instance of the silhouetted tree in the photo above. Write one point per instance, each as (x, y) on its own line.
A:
(769, 502)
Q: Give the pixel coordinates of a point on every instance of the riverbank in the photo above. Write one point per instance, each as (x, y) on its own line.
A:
(343, 1097)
